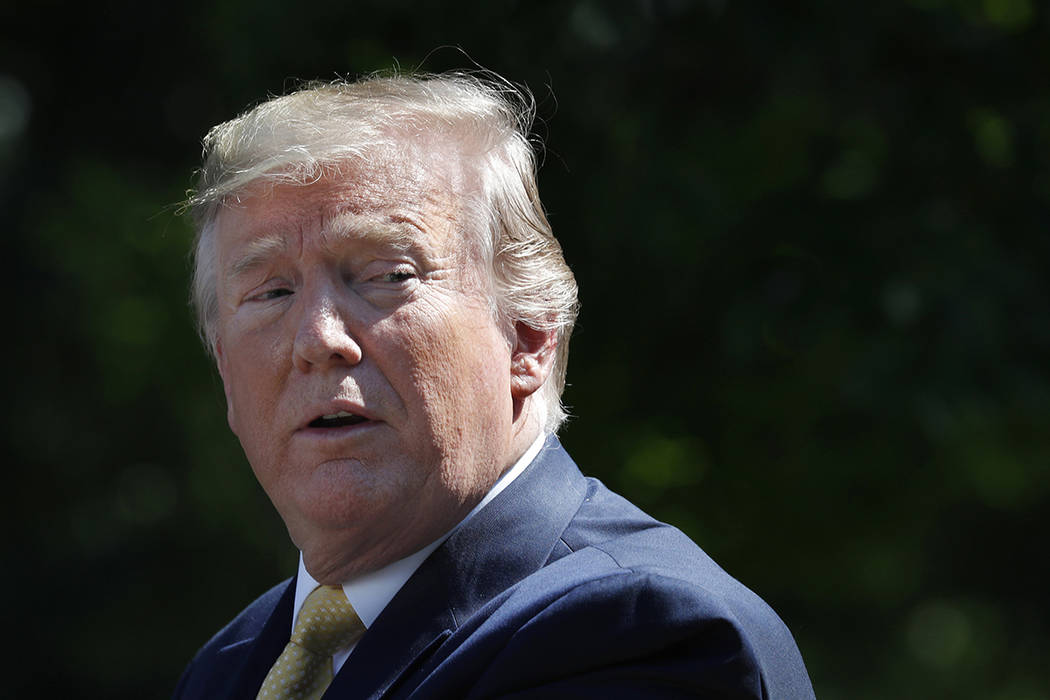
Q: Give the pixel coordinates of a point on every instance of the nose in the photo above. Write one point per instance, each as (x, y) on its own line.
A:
(323, 338)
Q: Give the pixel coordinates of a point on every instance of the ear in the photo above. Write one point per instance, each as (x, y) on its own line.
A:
(220, 363)
(531, 360)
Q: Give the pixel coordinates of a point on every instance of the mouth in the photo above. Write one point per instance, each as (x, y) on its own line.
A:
(337, 420)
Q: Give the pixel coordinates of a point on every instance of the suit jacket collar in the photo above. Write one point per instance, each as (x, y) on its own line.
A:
(260, 643)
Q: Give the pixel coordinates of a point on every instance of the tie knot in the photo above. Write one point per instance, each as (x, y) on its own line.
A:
(327, 622)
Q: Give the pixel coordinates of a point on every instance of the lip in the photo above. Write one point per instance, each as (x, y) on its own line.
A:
(337, 435)
(328, 408)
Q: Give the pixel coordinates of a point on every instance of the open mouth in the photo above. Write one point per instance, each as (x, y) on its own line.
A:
(337, 420)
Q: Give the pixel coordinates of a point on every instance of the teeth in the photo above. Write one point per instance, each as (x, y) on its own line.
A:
(341, 414)
(337, 420)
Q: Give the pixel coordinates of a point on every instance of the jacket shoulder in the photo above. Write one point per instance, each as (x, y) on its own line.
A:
(606, 631)
(626, 607)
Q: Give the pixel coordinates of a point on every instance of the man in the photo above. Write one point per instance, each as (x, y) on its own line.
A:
(390, 315)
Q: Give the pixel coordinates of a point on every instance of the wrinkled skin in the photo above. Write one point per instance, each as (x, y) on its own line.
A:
(358, 294)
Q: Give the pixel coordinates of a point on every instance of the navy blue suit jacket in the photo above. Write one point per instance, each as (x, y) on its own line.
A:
(557, 588)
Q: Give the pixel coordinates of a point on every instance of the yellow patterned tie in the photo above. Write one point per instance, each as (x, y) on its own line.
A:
(326, 624)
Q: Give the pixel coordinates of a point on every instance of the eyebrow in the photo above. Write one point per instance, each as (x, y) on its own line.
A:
(258, 252)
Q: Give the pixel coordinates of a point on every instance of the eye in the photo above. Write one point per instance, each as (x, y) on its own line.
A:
(390, 273)
(271, 294)
(395, 276)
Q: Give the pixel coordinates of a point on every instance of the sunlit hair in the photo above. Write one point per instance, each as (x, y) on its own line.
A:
(318, 131)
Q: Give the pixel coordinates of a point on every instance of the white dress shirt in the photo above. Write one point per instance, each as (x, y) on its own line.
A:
(370, 593)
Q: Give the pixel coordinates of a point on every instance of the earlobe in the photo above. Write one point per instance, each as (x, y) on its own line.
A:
(531, 360)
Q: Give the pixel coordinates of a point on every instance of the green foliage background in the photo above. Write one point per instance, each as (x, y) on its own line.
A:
(812, 245)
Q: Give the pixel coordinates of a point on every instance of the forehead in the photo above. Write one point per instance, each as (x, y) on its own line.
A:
(403, 201)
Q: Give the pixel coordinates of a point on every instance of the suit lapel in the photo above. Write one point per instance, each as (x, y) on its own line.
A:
(512, 537)
(250, 659)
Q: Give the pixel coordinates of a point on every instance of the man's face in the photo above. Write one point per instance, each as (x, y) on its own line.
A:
(365, 373)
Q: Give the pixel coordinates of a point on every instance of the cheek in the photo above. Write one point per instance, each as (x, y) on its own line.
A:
(229, 381)
(248, 394)
(461, 371)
